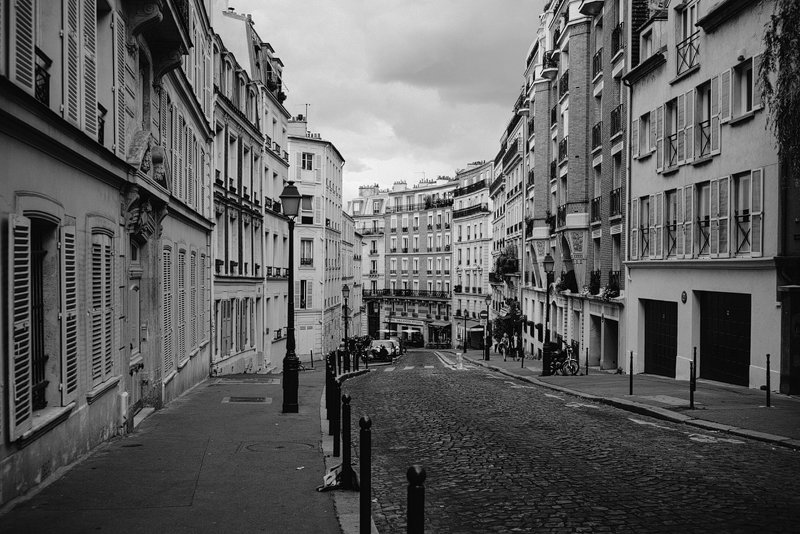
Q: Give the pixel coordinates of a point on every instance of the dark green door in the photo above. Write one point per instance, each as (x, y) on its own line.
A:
(660, 337)
(725, 337)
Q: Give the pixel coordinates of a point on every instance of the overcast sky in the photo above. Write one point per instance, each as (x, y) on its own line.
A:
(405, 89)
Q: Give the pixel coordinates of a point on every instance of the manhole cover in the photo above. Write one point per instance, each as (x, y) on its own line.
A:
(274, 446)
(247, 400)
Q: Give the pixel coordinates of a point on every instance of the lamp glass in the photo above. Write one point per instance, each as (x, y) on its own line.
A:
(290, 199)
(345, 291)
(549, 263)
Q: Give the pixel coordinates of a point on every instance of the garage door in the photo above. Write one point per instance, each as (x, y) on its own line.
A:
(660, 337)
(725, 337)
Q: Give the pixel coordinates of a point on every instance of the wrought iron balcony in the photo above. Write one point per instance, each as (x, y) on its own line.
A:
(471, 210)
(704, 138)
(615, 202)
(43, 77)
(597, 135)
(688, 53)
(466, 190)
(306, 261)
(561, 216)
(617, 38)
(671, 147)
(596, 208)
(563, 148)
(563, 84)
(597, 63)
(671, 238)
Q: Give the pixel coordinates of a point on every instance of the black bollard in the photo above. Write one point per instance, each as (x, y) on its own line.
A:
(586, 370)
(329, 378)
(691, 385)
(630, 372)
(415, 516)
(311, 352)
(349, 480)
(365, 499)
(336, 422)
(768, 388)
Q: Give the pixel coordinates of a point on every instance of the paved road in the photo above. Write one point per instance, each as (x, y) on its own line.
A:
(506, 456)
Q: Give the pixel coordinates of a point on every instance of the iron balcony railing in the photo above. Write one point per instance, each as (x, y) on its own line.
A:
(561, 216)
(672, 238)
(594, 282)
(553, 170)
(615, 203)
(553, 116)
(703, 235)
(563, 84)
(616, 120)
(597, 135)
(425, 293)
(371, 230)
(597, 63)
(306, 261)
(428, 203)
(563, 147)
(617, 38)
(512, 152)
(743, 227)
(688, 52)
(644, 238)
(704, 132)
(671, 157)
(596, 208)
(466, 190)
(471, 210)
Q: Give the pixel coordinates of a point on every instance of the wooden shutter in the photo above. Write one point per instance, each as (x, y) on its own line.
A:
(757, 94)
(20, 410)
(653, 123)
(297, 294)
(22, 39)
(634, 218)
(715, 131)
(163, 114)
(181, 318)
(659, 237)
(681, 128)
(679, 222)
(89, 70)
(190, 189)
(101, 311)
(108, 308)
(756, 212)
(317, 210)
(713, 223)
(725, 96)
(69, 316)
(71, 64)
(635, 138)
(660, 139)
(309, 294)
(318, 168)
(723, 216)
(690, 141)
(120, 148)
(169, 359)
(651, 213)
(688, 217)
(299, 167)
(193, 300)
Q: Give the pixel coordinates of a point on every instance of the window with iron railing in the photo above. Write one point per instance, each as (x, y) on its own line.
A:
(561, 215)
(671, 156)
(617, 38)
(688, 53)
(616, 120)
(597, 135)
(644, 241)
(703, 237)
(553, 116)
(553, 170)
(563, 147)
(43, 64)
(704, 138)
(597, 63)
(563, 84)
(596, 208)
(672, 238)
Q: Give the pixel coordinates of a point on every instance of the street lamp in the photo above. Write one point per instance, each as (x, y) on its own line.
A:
(345, 295)
(486, 340)
(290, 200)
(465, 331)
(549, 264)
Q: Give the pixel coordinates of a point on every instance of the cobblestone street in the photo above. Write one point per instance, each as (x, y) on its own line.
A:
(506, 456)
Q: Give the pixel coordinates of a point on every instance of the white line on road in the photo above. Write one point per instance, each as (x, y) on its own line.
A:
(429, 367)
(649, 423)
(388, 369)
(407, 367)
(553, 396)
(702, 438)
(581, 405)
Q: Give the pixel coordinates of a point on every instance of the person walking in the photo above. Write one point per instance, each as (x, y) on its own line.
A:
(504, 346)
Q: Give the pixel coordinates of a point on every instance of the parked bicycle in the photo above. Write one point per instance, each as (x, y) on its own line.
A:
(567, 363)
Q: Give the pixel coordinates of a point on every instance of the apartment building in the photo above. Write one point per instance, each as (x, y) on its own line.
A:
(351, 277)
(472, 250)
(317, 173)
(367, 211)
(105, 117)
(703, 220)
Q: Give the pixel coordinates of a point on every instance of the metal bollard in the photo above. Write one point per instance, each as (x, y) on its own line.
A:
(415, 515)
(522, 365)
(349, 480)
(691, 385)
(311, 352)
(586, 369)
(768, 387)
(346, 360)
(337, 421)
(365, 498)
(329, 378)
(630, 372)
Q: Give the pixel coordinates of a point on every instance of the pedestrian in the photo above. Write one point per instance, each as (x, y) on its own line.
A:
(505, 346)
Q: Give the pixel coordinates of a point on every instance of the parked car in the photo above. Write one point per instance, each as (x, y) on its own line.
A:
(392, 348)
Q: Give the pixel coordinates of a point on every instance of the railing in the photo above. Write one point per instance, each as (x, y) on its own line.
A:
(688, 52)
(306, 261)
(617, 38)
(671, 156)
(425, 293)
(561, 216)
(530, 177)
(614, 280)
(553, 116)
(672, 238)
(644, 236)
(597, 63)
(703, 235)
(615, 204)
(704, 129)
(429, 203)
(616, 120)
(495, 278)
(512, 152)
(528, 226)
(371, 230)
(743, 227)
(597, 135)
(596, 208)
(553, 169)
(563, 84)
(457, 288)
(563, 147)
(276, 206)
(373, 252)
(465, 212)
(466, 190)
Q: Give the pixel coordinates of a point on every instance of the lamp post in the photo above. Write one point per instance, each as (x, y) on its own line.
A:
(486, 337)
(290, 200)
(524, 113)
(346, 295)
(465, 332)
(549, 264)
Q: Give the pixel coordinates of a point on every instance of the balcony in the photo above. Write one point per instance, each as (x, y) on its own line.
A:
(671, 238)
(615, 204)
(43, 63)
(371, 230)
(688, 53)
(373, 252)
(597, 135)
(447, 248)
(554, 116)
(644, 241)
(616, 120)
(393, 229)
(306, 262)
(594, 282)
(590, 8)
(165, 27)
(671, 155)
(477, 186)
(471, 210)
(597, 63)
(550, 64)
(405, 250)
(561, 216)
(703, 225)
(553, 169)
(563, 148)
(742, 231)
(393, 250)
(415, 228)
(563, 84)
(596, 209)
(530, 182)
(704, 138)
(617, 38)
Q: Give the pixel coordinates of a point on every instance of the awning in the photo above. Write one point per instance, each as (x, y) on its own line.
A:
(439, 323)
(476, 328)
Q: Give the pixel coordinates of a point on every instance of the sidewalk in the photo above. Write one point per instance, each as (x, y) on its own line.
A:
(221, 458)
(721, 407)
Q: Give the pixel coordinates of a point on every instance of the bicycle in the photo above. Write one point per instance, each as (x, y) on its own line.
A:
(569, 364)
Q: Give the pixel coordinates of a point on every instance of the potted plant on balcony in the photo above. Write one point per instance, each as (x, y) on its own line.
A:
(610, 291)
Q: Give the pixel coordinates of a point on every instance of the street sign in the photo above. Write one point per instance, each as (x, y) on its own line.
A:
(484, 314)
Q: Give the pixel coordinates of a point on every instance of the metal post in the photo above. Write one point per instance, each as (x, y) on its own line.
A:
(291, 364)
(768, 386)
(312, 358)
(365, 498)
(465, 332)
(547, 311)
(329, 387)
(337, 420)
(415, 515)
(349, 481)
(691, 385)
(630, 373)
(587, 362)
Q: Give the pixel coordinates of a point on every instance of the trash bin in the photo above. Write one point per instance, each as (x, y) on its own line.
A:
(549, 357)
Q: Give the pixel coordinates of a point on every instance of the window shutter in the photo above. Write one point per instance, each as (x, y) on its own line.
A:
(725, 96)
(89, 56)
(660, 139)
(757, 104)
(299, 167)
(715, 141)
(651, 212)
(167, 310)
(688, 217)
(119, 86)
(713, 212)
(318, 168)
(723, 215)
(19, 313)
(69, 316)
(190, 190)
(678, 222)
(108, 308)
(181, 318)
(193, 300)
(653, 121)
(22, 55)
(659, 237)
(296, 294)
(689, 142)
(681, 129)
(634, 228)
(96, 312)
(309, 294)
(635, 138)
(317, 210)
(174, 167)
(71, 64)
(756, 212)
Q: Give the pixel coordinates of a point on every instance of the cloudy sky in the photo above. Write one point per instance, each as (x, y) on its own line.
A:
(405, 89)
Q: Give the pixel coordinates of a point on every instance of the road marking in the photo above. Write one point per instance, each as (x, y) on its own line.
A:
(388, 369)
(515, 385)
(649, 423)
(581, 405)
(494, 377)
(703, 438)
(406, 368)
(553, 396)
(429, 367)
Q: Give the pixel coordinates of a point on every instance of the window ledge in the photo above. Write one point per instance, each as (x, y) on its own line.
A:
(702, 160)
(615, 136)
(194, 353)
(620, 53)
(182, 363)
(645, 156)
(744, 117)
(101, 389)
(169, 377)
(615, 218)
(670, 170)
(596, 223)
(44, 421)
(203, 344)
(684, 74)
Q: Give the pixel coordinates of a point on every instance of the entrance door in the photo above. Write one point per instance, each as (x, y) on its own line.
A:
(660, 337)
(725, 337)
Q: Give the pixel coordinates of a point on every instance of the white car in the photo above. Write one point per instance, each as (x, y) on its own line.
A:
(392, 348)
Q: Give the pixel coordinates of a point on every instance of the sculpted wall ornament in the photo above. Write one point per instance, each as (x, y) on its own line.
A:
(577, 242)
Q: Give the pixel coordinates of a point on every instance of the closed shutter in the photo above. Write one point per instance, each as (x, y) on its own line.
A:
(651, 213)
(681, 129)
(22, 39)
(725, 96)
(164, 113)
(120, 53)
(688, 217)
(309, 294)
(679, 222)
(193, 300)
(71, 64)
(715, 131)
(659, 237)
(634, 246)
(181, 318)
(173, 141)
(297, 294)
(108, 308)
(713, 210)
(69, 316)
(169, 359)
(757, 89)
(635, 138)
(89, 56)
(318, 168)
(317, 210)
(690, 141)
(101, 312)
(660, 139)
(756, 212)
(299, 167)
(190, 142)
(653, 123)
(19, 314)
(723, 216)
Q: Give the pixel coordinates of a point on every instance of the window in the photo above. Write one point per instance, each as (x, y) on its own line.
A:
(168, 355)
(745, 91)
(307, 252)
(703, 208)
(193, 300)
(748, 212)
(307, 161)
(307, 210)
(302, 294)
(688, 48)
